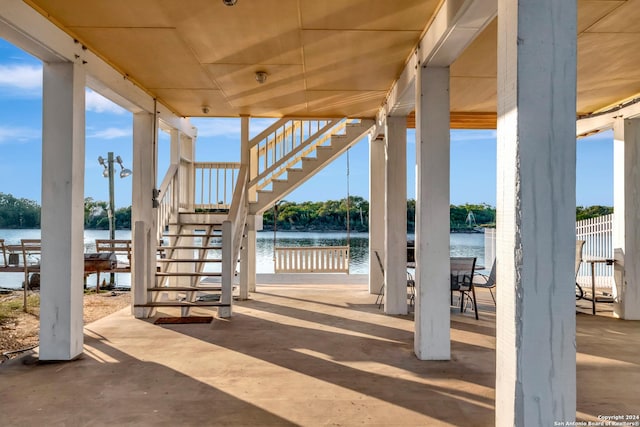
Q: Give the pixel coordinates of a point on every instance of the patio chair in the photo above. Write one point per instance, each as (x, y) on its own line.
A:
(486, 281)
(380, 297)
(411, 284)
(579, 248)
(462, 270)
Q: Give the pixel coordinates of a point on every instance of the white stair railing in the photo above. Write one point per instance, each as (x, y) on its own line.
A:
(284, 144)
(168, 199)
(232, 231)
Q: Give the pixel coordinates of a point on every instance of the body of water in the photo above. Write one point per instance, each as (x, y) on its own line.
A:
(462, 244)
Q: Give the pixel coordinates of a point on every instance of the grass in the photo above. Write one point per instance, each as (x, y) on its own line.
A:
(10, 308)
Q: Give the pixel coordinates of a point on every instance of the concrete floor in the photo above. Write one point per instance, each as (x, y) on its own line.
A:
(299, 355)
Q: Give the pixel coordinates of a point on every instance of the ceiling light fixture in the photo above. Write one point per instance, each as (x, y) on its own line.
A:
(261, 76)
(229, 2)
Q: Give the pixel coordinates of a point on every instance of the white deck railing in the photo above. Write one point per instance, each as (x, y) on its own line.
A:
(214, 184)
(314, 259)
(597, 234)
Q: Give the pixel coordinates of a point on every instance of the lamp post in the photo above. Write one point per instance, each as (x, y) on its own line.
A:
(108, 172)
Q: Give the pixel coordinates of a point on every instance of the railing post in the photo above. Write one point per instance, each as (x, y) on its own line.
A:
(228, 269)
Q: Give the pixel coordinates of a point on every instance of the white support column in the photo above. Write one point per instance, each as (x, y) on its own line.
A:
(432, 330)
(536, 158)
(395, 260)
(376, 214)
(143, 212)
(248, 253)
(626, 205)
(248, 260)
(62, 269)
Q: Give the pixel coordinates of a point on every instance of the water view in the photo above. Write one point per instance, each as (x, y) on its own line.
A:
(462, 244)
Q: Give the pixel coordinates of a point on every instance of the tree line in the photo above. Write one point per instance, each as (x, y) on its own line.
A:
(25, 213)
(330, 215)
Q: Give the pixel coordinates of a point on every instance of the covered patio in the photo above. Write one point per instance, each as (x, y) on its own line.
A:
(540, 72)
(300, 355)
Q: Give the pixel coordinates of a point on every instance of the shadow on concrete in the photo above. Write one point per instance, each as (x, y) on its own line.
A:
(109, 387)
(369, 358)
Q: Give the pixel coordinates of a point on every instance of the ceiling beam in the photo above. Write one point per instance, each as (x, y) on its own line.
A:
(456, 24)
(598, 122)
(29, 30)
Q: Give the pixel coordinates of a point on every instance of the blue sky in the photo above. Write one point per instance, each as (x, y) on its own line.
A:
(109, 128)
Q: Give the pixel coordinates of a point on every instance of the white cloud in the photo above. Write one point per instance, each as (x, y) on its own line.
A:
(99, 104)
(110, 133)
(216, 127)
(10, 134)
(21, 76)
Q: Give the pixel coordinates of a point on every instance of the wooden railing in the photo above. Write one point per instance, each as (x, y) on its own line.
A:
(232, 231)
(168, 199)
(598, 236)
(284, 143)
(214, 184)
(314, 259)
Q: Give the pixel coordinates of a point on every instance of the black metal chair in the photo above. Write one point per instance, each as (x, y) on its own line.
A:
(462, 271)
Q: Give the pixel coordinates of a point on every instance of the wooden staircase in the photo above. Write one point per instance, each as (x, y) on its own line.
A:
(189, 272)
(201, 257)
(298, 169)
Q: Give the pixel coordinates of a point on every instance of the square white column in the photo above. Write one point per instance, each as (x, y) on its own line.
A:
(143, 213)
(376, 214)
(62, 219)
(248, 259)
(626, 205)
(395, 252)
(432, 313)
(536, 158)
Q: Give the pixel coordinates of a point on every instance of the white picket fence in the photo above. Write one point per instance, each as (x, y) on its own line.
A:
(597, 234)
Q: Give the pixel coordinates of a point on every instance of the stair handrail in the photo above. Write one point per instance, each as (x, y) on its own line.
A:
(313, 142)
(168, 198)
(232, 230)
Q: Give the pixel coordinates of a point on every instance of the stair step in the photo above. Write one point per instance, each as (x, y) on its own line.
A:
(185, 274)
(197, 224)
(183, 304)
(184, 289)
(217, 234)
(216, 247)
(167, 260)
